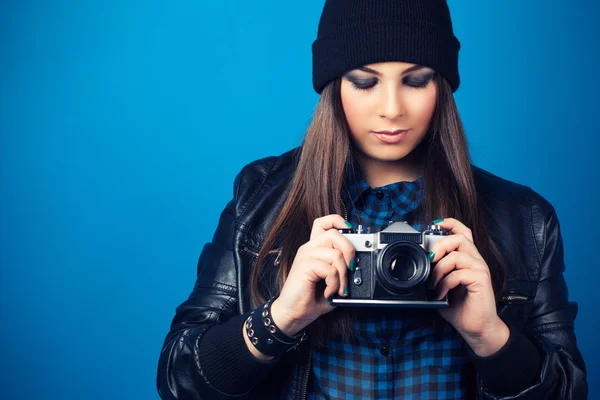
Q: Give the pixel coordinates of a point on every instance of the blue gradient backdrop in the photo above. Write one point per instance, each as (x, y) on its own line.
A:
(124, 123)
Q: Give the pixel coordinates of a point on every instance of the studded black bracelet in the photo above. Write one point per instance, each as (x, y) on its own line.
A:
(266, 336)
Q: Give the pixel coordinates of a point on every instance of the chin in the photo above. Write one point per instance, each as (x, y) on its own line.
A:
(387, 156)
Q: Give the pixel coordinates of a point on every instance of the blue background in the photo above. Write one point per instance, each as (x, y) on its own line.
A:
(123, 124)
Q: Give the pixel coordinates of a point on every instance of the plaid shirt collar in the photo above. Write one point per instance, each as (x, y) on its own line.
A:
(404, 196)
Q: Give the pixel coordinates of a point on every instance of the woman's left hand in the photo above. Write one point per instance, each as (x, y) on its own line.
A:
(472, 309)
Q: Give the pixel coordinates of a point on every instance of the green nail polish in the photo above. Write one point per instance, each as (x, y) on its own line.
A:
(437, 221)
(348, 224)
(346, 291)
(353, 264)
(431, 256)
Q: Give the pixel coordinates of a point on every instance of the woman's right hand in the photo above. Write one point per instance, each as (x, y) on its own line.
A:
(326, 256)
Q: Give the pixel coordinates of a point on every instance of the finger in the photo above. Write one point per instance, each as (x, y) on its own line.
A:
(457, 242)
(326, 223)
(465, 277)
(456, 227)
(453, 261)
(336, 240)
(320, 270)
(330, 255)
(334, 257)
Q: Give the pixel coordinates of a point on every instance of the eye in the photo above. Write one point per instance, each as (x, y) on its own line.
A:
(363, 84)
(418, 82)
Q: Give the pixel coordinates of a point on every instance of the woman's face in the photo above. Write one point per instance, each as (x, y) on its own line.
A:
(395, 97)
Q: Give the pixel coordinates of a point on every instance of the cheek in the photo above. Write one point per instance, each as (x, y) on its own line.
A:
(424, 107)
(355, 108)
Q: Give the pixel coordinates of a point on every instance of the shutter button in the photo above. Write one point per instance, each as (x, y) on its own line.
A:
(379, 194)
(384, 350)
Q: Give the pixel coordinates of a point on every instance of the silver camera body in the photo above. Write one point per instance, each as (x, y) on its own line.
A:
(393, 268)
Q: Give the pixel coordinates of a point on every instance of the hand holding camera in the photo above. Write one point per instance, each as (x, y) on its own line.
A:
(325, 257)
(472, 309)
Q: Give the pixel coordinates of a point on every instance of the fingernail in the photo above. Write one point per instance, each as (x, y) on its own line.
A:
(353, 264)
(437, 221)
(345, 290)
(431, 256)
(348, 224)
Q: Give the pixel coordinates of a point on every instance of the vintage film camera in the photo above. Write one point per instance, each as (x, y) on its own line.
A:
(393, 268)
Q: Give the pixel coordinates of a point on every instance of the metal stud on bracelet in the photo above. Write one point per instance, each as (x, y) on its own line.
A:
(267, 337)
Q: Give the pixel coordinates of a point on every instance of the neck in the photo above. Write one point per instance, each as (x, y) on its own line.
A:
(379, 173)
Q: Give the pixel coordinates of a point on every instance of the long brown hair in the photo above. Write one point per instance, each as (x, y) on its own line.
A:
(315, 191)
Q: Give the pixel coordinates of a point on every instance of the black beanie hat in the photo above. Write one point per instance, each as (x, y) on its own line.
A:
(354, 33)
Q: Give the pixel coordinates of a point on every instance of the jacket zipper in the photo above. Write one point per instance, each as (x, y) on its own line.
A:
(514, 297)
(305, 390)
(345, 210)
(255, 254)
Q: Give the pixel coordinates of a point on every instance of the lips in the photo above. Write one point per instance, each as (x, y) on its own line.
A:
(391, 136)
(396, 132)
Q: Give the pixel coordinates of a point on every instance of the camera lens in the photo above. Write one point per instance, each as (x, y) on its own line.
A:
(401, 266)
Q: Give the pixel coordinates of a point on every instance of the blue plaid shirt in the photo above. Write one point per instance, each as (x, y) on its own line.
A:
(396, 353)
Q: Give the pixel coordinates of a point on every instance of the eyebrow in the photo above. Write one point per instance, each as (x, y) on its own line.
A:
(410, 69)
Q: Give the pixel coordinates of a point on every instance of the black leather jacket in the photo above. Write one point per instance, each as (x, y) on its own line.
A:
(535, 299)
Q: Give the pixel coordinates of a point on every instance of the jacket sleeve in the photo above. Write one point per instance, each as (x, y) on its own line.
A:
(551, 319)
(204, 355)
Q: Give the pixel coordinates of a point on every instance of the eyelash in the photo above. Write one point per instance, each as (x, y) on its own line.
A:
(416, 84)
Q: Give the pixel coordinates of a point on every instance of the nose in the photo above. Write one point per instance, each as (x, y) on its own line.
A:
(391, 103)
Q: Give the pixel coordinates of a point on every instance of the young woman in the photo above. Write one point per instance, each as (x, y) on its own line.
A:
(385, 144)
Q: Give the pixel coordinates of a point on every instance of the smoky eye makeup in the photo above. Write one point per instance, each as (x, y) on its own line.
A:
(361, 83)
(419, 80)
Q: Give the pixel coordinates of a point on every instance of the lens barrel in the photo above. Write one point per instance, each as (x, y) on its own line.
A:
(402, 266)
